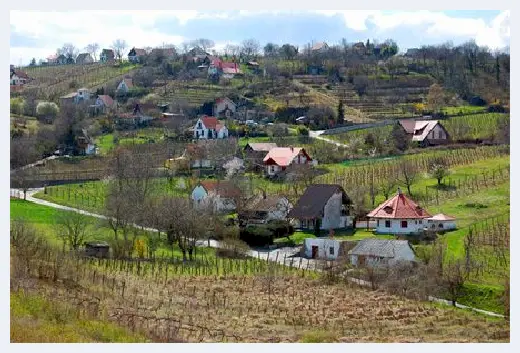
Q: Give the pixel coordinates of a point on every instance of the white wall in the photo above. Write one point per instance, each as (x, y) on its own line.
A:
(414, 226)
(202, 199)
(437, 130)
(220, 107)
(122, 87)
(324, 246)
(406, 254)
(272, 169)
(446, 225)
(223, 133)
(332, 212)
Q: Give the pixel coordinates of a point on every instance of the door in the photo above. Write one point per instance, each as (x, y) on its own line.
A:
(314, 251)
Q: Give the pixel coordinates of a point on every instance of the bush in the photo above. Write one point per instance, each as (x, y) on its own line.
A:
(303, 131)
(47, 111)
(17, 105)
(256, 235)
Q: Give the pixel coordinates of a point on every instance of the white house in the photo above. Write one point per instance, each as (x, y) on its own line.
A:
(224, 107)
(208, 127)
(321, 248)
(18, 78)
(279, 158)
(374, 252)
(125, 85)
(265, 208)
(217, 194)
(441, 222)
(399, 215)
(426, 132)
(323, 205)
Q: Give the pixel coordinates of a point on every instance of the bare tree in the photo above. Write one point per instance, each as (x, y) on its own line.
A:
(250, 47)
(118, 211)
(70, 52)
(72, 229)
(408, 175)
(203, 43)
(387, 186)
(119, 46)
(92, 49)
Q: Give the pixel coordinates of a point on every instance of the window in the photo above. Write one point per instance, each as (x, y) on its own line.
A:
(441, 225)
(378, 222)
(433, 134)
(420, 221)
(331, 250)
(387, 224)
(404, 224)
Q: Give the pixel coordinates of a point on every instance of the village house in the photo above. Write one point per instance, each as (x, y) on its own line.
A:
(321, 248)
(125, 85)
(219, 195)
(426, 132)
(52, 59)
(62, 60)
(104, 103)
(18, 78)
(137, 55)
(373, 252)
(279, 158)
(107, 55)
(224, 107)
(399, 215)
(80, 96)
(441, 222)
(323, 206)
(208, 127)
(84, 58)
(167, 53)
(264, 208)
(85, 144)
(320, 47)
(254, 153)
(137, 118)
(225, 69)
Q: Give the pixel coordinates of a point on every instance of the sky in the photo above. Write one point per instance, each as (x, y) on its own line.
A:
(37, 34)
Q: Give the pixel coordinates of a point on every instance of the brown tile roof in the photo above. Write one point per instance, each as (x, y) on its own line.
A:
(107, 100)
(319, 45)
(269, 203)
(20, 74)
(261, 146)
(283, 156)
(312, 202)
(399, 207)
(222, 188)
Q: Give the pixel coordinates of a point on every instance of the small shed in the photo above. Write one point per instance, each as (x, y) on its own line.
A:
(440, 222)
(97, 249)
(374, 252)
(321, 248)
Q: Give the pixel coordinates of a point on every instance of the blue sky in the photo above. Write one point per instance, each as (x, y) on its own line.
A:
(38, 34)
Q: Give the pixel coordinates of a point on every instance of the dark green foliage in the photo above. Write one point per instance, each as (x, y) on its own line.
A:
(399, 138)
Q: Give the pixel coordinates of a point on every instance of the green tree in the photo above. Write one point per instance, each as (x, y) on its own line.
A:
(17, 105)
(439, 171)
(341, 112)
(33, 62)
(47, 110)
(399, 138)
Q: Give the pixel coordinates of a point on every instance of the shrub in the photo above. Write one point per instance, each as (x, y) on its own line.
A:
(47, 110)
(17, 105)
(303, 131)
(256, 235)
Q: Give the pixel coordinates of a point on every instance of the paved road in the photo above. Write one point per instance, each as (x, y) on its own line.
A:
(317, 135)
(287, 256)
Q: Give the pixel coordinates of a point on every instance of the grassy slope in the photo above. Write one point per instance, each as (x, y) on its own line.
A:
(43, 219)
(35, 319)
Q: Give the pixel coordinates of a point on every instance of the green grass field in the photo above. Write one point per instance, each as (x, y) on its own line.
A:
(300, 235)
(35, 319)
(106, 143)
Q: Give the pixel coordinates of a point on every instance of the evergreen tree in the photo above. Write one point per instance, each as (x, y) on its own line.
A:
(341, 113)
(399, 138)
(33, 62)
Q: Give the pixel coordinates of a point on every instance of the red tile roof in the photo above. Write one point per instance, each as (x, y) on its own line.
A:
(107, 100)
(210, 122)
(21, 74)
(399, 207)
(221, 187)
(283, 156)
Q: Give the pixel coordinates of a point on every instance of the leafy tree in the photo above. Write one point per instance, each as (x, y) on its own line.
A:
(288, 51)
(399, 138)
(47, 110)
(436, 98)
(439, 170)
(17, 105)
(72, 228)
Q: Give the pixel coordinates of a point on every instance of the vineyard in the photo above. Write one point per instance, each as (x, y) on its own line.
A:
(54, 81)
(269, 306)
(479, 126)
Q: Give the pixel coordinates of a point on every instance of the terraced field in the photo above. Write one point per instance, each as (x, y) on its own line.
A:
(54, 81)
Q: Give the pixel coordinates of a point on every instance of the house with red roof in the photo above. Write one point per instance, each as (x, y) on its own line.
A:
(226, 69)
(426, 132)
(125, 85)
(137, 55)
(399, 215)
(18, 78)
(224, 107)
(279, 158)
(209, 127)
(217, 194)
(104, 103)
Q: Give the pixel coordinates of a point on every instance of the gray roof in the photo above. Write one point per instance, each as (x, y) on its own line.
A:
(379, 247)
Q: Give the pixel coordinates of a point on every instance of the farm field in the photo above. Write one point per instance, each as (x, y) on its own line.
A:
(478, 126)
(268, 307)
(107, 142)
(52, 321)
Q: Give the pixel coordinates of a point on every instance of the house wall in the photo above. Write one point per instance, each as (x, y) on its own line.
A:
(324, 246)
(414, 226)
(332, 212)
(201, 163)
(223, 133)
(272, 169)
(220, 107)
(437, 133)
(404, 254)
(198, 194)
(122, 87)
(446, 225)
(201, 198)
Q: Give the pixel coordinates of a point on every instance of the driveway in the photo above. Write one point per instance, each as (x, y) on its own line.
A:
(317, 135)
